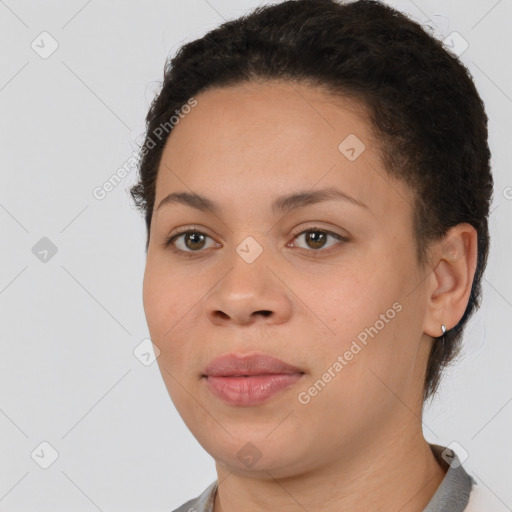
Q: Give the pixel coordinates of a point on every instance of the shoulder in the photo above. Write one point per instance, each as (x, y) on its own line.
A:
(482, 499)
(202, 503)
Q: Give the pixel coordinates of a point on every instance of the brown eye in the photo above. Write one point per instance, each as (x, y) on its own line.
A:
(317, 238)
(194, 240)
(191, 241)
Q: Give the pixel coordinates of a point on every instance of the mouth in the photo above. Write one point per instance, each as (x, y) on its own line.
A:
(235, 365)
(250, 390)
(248, 380)
(255, 373)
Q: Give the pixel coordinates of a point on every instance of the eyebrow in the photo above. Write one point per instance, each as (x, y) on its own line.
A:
(282, 204)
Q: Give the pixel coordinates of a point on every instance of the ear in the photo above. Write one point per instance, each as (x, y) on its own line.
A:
(450, 282)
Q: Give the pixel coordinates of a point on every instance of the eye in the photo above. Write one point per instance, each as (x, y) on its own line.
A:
(316, 238)
(193, 240)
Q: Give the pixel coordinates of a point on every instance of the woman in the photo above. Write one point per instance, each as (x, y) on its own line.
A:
(316, 185)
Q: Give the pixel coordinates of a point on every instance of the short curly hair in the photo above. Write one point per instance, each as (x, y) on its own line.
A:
(420, 99)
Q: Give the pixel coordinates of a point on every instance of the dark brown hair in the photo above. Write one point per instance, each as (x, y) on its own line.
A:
(420, 100)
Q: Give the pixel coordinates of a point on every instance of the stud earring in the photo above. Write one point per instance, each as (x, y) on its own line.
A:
(443, 328)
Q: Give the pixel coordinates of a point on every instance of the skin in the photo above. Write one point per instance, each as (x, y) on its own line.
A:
(358, 444)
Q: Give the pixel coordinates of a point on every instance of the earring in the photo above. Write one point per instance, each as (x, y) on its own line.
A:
(443, 328)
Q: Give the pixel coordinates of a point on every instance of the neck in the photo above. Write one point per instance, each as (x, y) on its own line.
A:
(393, 472)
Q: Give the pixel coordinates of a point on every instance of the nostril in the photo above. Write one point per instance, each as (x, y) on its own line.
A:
(264, 312)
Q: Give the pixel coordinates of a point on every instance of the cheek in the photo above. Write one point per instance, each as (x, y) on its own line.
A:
(345, 299)
(154, 299)
(164, 300)
(372, 353)
(171, 299)
(163, 285)
(363, 317)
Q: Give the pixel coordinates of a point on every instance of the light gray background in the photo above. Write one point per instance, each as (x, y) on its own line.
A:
(68, 375)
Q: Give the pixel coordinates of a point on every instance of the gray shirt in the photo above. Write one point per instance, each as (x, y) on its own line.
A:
(451, 496)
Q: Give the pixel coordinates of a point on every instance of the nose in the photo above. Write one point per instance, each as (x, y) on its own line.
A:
(249, 293)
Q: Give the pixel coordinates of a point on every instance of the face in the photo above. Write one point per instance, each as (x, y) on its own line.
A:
(327, 284)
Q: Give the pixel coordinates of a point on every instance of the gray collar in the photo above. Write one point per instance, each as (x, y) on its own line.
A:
(451, 496)
(453, 493)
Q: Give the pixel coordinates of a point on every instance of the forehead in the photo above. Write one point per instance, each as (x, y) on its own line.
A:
(275, 137)
(258, 118)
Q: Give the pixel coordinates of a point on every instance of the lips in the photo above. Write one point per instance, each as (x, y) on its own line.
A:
(234, 365)
(249, 380)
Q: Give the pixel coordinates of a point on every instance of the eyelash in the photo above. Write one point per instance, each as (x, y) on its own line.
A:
(168, 243)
